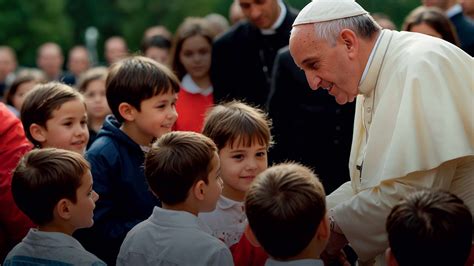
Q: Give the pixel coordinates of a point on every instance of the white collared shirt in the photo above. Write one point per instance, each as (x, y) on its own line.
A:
(171, 237)
(50, 248)
(188, 84)
(227, 221)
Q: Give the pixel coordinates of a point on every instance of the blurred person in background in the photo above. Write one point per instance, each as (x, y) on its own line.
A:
(8, 66)
(431, 21)
(50, 60)
(78, 61)
(115, 48)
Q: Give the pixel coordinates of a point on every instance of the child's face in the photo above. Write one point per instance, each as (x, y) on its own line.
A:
(214, 186)
(95, 99)
(67, 128)
(20, 93)
(156, 117)
(82, 212)
(195, 56)
(239, 166)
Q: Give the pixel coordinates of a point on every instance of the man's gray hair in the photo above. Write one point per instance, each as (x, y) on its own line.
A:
(364, 26)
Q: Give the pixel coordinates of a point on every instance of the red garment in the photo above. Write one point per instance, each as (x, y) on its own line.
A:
(245, 254)
(191, 110)
(13, 144)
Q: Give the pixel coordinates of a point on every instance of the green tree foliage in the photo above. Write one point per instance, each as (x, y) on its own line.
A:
(26, 24)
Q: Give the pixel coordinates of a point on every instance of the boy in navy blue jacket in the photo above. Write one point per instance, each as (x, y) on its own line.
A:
(142, 95)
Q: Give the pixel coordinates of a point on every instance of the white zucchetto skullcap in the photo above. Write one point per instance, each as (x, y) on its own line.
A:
(326, 10)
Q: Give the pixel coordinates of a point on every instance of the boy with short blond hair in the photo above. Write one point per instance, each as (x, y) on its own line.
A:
(242, 135)
(286, 211)
(142, 95)
(182, 169)
(53, 187)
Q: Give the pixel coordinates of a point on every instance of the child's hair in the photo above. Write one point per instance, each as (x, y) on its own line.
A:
(135, 79)
(176, 162)
(430, 228)
(285, 205)
(191, 26)
(237, 121)
(96, 73)
(23, 76)
(45, 176)
(40, 103)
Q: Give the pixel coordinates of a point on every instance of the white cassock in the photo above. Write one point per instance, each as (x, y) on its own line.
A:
(414, 127)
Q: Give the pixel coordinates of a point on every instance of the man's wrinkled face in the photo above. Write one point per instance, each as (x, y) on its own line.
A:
(325, 66)
(261, 13)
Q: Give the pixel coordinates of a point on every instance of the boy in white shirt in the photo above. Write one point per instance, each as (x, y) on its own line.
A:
(53, 187)
(182, 170)
(286, 210)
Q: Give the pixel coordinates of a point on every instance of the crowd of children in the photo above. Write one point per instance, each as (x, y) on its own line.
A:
(136, 165)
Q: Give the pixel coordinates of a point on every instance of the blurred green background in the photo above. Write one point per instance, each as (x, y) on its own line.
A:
(26, 24)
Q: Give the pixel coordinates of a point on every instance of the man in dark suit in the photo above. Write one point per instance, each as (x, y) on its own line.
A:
(242, 58)
(309, 126)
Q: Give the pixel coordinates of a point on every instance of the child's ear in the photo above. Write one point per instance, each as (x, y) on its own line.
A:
(63, 209)
(38, 132)
(389, 258)
(127, 111)
(323, 231)
(251, 237)
(199, 190)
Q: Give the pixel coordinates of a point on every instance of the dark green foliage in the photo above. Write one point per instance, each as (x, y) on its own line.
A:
(25, 24)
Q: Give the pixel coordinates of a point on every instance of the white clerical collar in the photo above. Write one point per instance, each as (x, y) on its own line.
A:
(454, 10)
(371, 57)
(278, 22)
(190, 86)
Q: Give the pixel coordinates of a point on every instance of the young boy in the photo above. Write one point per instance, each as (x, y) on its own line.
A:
(142, 96)
(182, 169)
(242, 135)
(53, 187)
(286, 211)
(54, 116)
(429, 228)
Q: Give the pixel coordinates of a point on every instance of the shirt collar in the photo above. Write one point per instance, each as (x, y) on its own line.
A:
(371, 57)
(226, 203)
(454, 10)
(172, 218)
(190, 86)
(51, 239)
(278, 22)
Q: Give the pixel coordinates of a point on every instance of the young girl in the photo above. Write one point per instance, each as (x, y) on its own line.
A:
(191, 61)
(54, 115)
(24, 82)
(242, 135)
(92, 85)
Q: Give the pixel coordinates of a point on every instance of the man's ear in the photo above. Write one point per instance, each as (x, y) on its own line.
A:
(127, 111)
(350, 41)
(390, 258)
(199, 190)
(63, 209)
(38, 132)
(250, 236)
(323, 231)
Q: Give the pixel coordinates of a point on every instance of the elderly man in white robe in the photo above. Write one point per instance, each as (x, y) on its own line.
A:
(414, 122)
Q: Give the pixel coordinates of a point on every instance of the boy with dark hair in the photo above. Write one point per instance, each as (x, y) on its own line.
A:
(429, 228)
(142, 95)
(286, 210)
(53, 187)
(182, 169)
